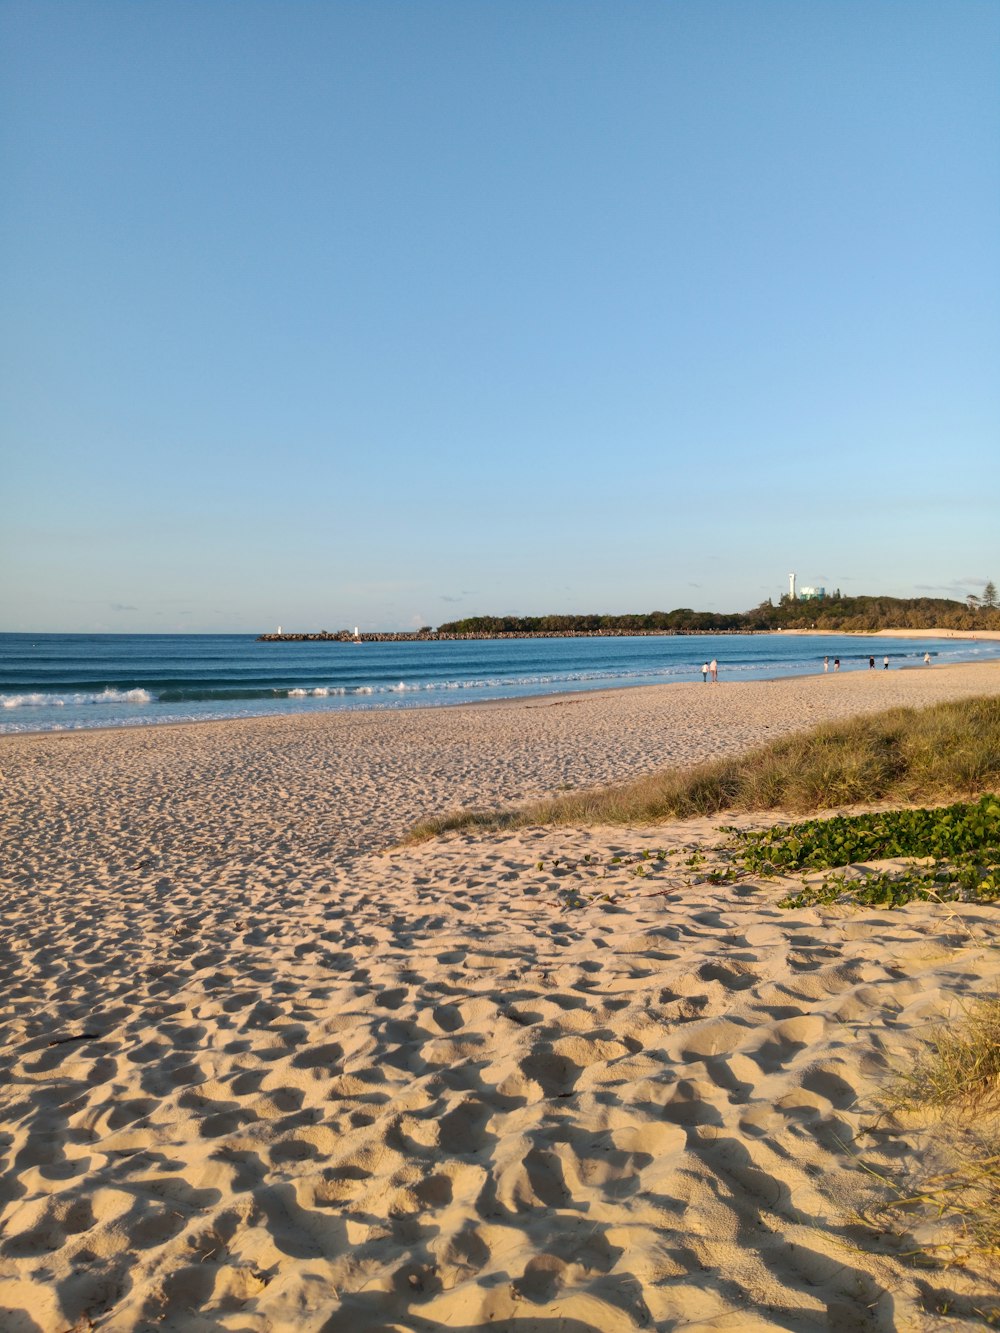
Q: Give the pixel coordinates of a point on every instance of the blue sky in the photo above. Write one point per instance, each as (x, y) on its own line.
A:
(382, 313)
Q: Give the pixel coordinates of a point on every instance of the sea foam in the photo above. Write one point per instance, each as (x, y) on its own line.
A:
(108, 696)
(30, 701)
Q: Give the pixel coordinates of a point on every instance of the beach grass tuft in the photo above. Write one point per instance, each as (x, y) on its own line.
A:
(904, 755)
(961, 1070)
(958, 1081)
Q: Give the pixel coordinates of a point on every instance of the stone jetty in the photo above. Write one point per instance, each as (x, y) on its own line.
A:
(432, 636)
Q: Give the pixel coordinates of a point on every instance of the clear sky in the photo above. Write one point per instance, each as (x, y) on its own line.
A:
(384, 312)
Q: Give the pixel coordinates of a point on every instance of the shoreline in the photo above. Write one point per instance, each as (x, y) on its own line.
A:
(990, 634)
(446, 705)
(601, 735)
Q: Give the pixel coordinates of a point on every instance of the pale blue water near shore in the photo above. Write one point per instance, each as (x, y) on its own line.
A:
(65, 681)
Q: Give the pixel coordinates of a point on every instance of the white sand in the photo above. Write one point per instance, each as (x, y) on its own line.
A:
(259, 1074)
(899, 633)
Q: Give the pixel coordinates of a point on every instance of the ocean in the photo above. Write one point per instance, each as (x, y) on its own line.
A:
(54, 682)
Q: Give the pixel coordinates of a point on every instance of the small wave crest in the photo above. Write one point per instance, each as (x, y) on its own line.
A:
(38, 700)
(30, 701)
(251, 694)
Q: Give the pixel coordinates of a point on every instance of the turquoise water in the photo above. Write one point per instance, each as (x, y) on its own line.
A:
(59, 681)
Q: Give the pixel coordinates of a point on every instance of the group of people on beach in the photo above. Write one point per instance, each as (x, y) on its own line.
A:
(871, 662)
(710, 670)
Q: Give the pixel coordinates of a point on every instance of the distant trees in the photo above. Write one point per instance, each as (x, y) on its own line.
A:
(659, 621)
(834, 613)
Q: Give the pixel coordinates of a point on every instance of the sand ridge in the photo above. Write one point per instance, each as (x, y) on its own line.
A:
(259, 1074)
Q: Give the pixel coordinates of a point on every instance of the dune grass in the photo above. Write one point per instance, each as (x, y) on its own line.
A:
(962, 1068)
(903, 755)
(958, 1082)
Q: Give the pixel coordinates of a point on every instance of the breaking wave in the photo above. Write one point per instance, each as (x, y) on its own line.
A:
(37, 700)
(200, 695)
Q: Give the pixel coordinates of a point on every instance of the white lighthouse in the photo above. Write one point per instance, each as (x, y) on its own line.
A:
(791, 586)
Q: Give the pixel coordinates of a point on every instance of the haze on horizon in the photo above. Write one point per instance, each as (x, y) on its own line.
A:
(391, 314)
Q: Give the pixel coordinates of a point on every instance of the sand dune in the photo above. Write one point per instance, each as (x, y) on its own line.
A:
(260, 1073)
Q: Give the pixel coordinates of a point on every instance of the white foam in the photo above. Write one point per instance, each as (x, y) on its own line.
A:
(30, 701)
(136, 696)
(57, 701)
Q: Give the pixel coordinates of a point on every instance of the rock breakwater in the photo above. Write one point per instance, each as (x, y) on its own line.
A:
(402, 636)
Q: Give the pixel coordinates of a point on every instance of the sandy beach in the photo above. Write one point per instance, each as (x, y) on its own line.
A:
(900, 633)
(263, 1070)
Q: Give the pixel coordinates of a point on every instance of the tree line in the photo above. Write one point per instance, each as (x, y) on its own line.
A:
(833, 613)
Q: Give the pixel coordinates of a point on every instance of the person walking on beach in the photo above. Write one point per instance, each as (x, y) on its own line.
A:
(826, 664)
(704, 672)
(836, 664)
(885, 662)
(871, 664)
(927, 659)
(713, 667)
